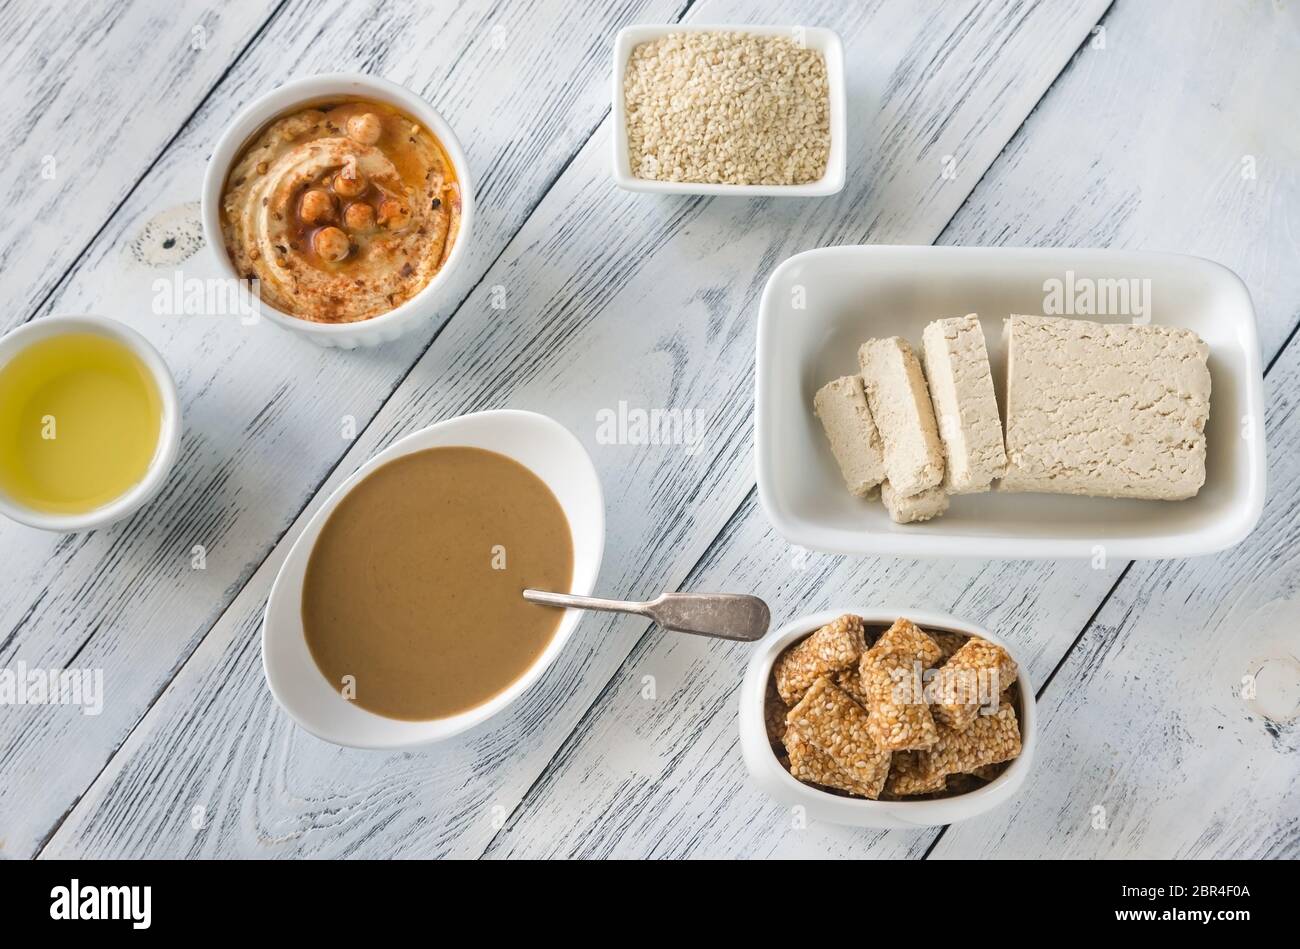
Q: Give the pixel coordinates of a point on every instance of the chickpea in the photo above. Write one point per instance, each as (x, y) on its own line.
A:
(317, 206)
(393, 214)
(359, 216)
(365, 128)
(331, 244)
(350, 185)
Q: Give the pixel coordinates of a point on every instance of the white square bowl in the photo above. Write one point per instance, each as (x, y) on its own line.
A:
(818, 307)
(827, 42)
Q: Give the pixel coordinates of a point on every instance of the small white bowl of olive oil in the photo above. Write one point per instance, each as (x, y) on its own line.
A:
(89, 422)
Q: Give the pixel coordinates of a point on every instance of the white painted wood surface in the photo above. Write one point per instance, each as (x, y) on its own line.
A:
(616, 297)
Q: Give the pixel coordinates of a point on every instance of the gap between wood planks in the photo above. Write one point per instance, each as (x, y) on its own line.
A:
(72, 265)
(311, 494)
(748, 501)
(722, 534)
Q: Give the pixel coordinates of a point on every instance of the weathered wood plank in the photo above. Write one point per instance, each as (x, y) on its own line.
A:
(1142, 719)
(1151, 744)
(1166, 139)
(266, 413)
(95, 91)
(1045, 169)
(611, 297)
(663, 776)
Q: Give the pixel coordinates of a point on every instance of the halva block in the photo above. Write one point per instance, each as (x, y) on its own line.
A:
(1113, 410)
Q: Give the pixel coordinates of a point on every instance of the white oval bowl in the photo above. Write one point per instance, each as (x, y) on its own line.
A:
(253, 117)
(537, 442)
(169, 431)
(885, 815)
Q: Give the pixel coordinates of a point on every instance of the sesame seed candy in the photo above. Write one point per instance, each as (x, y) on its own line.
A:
(909, 638)
(898, 717)
(949, 642)
(906, 779)
(835, 646)
(849, 680)
(988, 740)
(956, 689)
(774, 712)
(830, 721)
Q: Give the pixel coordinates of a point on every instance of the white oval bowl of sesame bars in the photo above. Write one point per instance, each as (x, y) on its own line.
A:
(772, 776)
(767, 84)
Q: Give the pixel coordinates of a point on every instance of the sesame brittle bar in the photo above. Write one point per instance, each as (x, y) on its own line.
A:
(909, 638)
(949, 642)
(809, 764)
(849, 680)
(774, 712)
(890, 679)
(827, 719)
(974, 677)
(835, 646)
(905, 777)
(988, 740)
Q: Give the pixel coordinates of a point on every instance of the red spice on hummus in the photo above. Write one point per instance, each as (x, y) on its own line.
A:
(341, 210)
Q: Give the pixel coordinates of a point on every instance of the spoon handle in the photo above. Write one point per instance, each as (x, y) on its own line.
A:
(586, 602)
(720, 615)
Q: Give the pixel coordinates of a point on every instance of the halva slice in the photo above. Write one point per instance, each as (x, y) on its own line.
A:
(916, 507)
(965, 407)
(841, 405)
(900, 407)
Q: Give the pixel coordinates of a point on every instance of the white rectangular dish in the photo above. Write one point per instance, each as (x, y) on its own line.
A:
(818, 307)
(827, 42)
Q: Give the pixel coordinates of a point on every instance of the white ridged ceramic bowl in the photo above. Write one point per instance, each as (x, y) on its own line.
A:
(253, 117)
(169, 430)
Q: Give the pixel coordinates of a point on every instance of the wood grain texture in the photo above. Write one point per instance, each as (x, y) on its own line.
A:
(611, 297)
(1151, 744)
(662, 776)
(1166, 139)
(266, 413)
(95, 92)
(1142, 719)
(691, 808)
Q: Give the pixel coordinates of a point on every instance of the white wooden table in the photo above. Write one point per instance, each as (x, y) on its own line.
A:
(1136, 124)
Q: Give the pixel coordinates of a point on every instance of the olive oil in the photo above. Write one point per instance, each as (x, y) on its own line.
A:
(80, 417)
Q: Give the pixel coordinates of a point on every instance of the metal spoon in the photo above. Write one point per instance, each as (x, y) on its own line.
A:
(721, 615)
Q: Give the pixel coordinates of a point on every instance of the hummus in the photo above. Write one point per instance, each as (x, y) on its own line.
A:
(341, 211)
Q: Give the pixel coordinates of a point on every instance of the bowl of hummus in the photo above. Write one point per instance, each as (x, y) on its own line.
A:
(344, 202)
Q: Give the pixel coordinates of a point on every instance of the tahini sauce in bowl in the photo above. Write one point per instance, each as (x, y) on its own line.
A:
(411, 602)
